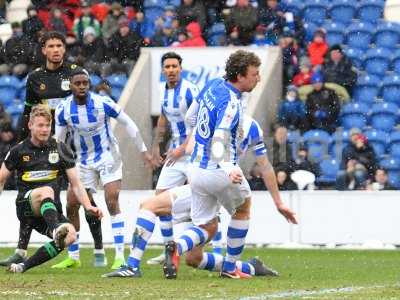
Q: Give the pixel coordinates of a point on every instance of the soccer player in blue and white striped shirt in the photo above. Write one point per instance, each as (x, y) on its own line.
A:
(87, 115)
(176, 96)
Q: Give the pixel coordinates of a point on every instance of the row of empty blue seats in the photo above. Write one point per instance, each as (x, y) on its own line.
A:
(344, 11)
(371, 87)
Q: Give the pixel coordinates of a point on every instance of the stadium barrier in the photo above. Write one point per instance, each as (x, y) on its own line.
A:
(326, 218)
(141, 96)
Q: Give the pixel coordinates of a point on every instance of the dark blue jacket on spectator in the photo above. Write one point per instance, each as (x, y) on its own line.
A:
(292, 114)
(144, 29)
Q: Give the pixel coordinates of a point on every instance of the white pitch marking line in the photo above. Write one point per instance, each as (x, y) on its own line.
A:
(305, 293)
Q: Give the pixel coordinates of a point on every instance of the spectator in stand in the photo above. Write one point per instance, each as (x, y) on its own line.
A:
(56, 21)
(292, 111)
(4, 117)
(280, 152)
(358, 163)
(322, 105)
(100, 11)
(194, 36)
(32, 25)
(233, 38)
(243, 18)
(305, 74)
(381, 181)
(255, 179)
(72, 47)
(104, 89)
(142, 27)
(93, 52)
(110, 24)
(272, 18)
(17, 53)
(337, 68)
(290, 60)
(84, 21)
(191, 11)
(181, 37)
(283, 180)
(318, 48)
(164, 37)
(124, 50)
(301, 162)
(260, 38)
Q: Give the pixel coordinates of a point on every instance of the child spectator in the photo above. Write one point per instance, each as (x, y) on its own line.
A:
(305, 74)
(292, 111)
(318, 48)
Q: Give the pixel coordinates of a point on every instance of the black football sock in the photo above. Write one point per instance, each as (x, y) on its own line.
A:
(43, 254)
(50, 214)
(95, 228)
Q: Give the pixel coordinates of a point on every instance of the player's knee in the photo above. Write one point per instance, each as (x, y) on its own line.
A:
(113, 206)
(243, 212)
(46, 192)
(193, 258)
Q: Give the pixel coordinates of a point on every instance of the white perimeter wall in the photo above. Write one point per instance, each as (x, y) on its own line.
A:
(325, 217)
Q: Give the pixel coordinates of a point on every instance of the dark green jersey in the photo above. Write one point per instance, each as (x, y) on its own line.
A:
(39, 166)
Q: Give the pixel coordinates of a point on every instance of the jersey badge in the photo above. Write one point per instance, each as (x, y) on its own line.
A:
(65, 85)
(26, 158)
(73, 66)
(42, 87)
(53, 157)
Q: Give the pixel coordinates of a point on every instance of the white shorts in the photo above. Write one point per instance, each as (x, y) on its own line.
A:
(212, 189)
(173, 176)
(108, 169)
(181, 199)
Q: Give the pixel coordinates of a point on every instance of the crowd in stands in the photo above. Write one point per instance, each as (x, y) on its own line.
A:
(320, 73)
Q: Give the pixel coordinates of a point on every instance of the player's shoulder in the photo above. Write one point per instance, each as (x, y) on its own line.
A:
(71, 66)
(101, 98)
(190, 85)
(35, 73)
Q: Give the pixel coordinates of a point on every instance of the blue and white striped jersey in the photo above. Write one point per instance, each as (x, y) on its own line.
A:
(90, 125)
(253, 137)
(219, 115)
(175, 103)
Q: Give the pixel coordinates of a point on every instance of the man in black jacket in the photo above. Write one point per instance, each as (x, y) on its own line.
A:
(337, 68)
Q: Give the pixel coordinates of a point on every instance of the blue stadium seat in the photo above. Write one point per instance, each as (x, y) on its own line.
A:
(377, 61)
(8, 89)
(175, 3)
(335, 32)
(356, 56)
(367, 88)
(317, 142)
(378, 140)
(392, 166)
(343, 11)
(339, 139)
(329, 169)
(294, 139)
(394, 145)
(370, 10)
(215, 33)
(295, 6)
(391, 88)
(387, 35)
(354, 114)
(155, 3)
(22, 89)
(116, 93)
(310, 29)
(15, 111)
(94, 80)
(117, 80)
(359, 35)
(384, 116)
(396, 61)
(315, 11)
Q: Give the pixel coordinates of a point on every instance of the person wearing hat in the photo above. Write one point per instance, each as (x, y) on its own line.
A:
(304, 76)
(110, 24)
(358, 163)
(84, 21)
(292, 111)
(318, 48)
(338, 69)
(322, 105)
(32, 25)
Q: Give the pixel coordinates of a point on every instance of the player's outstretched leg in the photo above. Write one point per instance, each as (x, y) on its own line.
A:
(167, 233)
(144, 229)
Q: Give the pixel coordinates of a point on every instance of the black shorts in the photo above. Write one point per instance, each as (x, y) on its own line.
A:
(29, 220)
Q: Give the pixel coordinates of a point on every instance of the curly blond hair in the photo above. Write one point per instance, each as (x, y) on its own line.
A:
(40, 110)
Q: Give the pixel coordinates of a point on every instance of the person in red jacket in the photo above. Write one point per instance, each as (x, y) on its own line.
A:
(194, 36)
(305, 74)
(318, 48)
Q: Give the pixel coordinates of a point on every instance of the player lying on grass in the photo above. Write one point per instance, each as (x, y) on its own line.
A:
(39, 162)
(177, 202)
(88, 116)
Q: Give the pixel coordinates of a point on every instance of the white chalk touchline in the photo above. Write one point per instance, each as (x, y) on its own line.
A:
(306, 293)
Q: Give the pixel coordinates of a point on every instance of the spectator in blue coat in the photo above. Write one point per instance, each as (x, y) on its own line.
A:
(292, 111)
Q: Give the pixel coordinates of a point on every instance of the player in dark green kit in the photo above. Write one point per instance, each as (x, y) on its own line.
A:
(39, 162)
(49, 85)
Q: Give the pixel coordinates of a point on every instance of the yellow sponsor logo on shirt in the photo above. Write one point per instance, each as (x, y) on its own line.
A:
(35, 176)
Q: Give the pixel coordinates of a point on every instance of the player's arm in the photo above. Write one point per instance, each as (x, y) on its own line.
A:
(29, 102)
(61, 129)
(161, 131)
(134, 133)
(80, 192)
(269, 178)
(4, 174)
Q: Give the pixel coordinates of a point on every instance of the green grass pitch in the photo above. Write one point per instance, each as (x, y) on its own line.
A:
(305, 274)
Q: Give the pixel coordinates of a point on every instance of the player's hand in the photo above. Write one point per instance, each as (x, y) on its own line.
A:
(173, 155)
(148, 160)
(236, 176)
(95, 211)
(157, 159)
(287, 213)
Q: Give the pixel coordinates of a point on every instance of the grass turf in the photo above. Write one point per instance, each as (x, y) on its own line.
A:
(305, 274)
